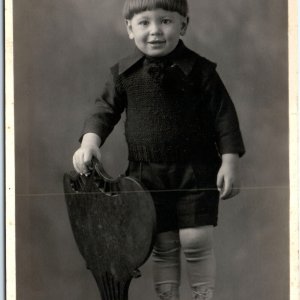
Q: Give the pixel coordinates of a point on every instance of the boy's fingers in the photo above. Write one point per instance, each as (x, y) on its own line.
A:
(220, 182)
(233, 192)
(86, 162)
(79, 162)
(82, 160)
(75, 164)
(226, 190)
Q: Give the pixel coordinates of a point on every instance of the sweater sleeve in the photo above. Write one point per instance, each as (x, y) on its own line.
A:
(107, 110)
(226, 125)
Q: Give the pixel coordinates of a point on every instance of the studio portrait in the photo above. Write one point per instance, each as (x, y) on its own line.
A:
(151, 149)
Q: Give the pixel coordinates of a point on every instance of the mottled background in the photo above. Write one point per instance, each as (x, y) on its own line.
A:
(63, 50)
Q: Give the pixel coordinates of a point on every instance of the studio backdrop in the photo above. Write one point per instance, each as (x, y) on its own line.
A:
(62, 54)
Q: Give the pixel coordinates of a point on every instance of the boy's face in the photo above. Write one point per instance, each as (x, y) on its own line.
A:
(156, 32)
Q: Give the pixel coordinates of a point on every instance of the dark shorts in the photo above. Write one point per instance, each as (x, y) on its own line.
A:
(182, 193)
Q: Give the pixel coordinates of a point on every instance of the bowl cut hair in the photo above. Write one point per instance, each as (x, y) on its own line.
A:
(132, 7)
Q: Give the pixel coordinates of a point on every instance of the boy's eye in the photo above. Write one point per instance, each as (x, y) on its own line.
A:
(166, 21)
(144, 22)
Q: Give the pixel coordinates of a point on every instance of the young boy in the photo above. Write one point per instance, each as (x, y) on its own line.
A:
(183, 138)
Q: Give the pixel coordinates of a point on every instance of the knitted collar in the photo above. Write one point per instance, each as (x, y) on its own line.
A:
(181, 56)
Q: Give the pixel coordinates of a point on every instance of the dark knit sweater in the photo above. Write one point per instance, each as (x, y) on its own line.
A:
(177, 109)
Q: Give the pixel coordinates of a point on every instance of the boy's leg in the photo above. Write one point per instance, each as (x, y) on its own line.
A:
(166, 265)
(197, 245)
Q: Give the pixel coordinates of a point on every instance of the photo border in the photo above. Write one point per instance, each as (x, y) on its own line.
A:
(9, 148)
(293, 148)
(9, 152)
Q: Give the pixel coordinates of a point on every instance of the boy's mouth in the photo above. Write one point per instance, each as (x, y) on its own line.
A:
(156, 42)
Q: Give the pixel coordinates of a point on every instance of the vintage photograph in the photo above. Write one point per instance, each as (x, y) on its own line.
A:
(151, 149)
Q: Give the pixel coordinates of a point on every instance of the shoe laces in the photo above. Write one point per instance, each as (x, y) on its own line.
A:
(202, 293)
(170, 294)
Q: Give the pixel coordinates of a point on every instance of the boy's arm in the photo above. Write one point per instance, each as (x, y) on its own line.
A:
(228, 136)
(226, 124)
(105, 115)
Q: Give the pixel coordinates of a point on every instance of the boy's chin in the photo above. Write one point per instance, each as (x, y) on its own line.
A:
(156, 53)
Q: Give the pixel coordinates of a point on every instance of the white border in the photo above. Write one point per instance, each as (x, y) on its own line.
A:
(293, 150)
(9, 155)
(2, 201)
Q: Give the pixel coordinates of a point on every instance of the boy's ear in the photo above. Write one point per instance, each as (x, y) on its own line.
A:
(129, 29)
(184, 26)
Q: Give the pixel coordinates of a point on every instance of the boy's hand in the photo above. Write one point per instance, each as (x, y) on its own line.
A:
(228, 176)
(83, 156)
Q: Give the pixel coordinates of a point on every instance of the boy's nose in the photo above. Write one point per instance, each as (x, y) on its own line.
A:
(155, 29)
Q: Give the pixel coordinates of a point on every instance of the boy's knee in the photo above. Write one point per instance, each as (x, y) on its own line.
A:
(167, 245)
(196, 238)
(166, 241)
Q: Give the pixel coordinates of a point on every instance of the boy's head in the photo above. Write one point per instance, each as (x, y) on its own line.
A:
(156, 25)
